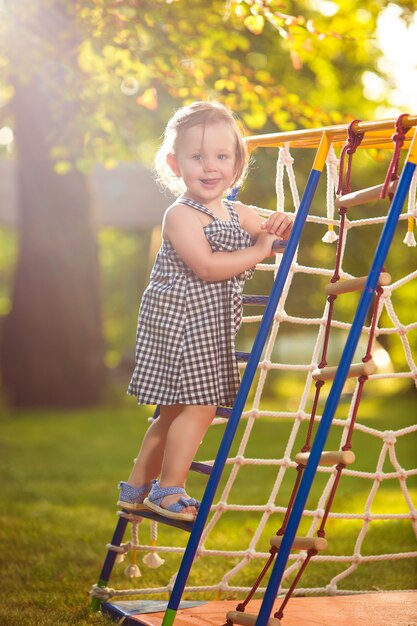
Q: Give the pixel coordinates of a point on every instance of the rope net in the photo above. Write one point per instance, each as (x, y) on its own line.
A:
(365, 510)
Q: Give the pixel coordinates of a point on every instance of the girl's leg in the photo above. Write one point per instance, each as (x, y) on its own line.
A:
(184, 436)
(149, 460)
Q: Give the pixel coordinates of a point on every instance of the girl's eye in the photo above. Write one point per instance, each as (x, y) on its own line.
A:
(197, 157)
(222, 156)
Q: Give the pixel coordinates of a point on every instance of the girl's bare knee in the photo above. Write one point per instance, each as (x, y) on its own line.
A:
(169, 412)
(204, 412)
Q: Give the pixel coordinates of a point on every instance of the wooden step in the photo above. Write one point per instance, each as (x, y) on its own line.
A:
(355, 370)
(347, 457)
(161, 519)
(355, 284)
(362, 196)
(248, 619)
(302, 543)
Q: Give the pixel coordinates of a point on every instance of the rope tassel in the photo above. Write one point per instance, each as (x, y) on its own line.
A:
(152, 559)
(132, 570)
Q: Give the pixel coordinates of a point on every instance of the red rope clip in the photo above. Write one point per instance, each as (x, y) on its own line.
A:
(353, 141)
(398, 139)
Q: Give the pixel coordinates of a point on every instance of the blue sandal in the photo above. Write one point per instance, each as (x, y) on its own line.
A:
(131, 498)
(174, 510)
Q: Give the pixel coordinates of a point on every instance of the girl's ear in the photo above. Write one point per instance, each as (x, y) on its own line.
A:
(173, 164)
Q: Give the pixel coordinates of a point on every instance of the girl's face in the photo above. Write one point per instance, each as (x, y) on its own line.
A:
(205, 159)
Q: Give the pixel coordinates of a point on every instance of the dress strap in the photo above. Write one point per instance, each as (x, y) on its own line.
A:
(200, 207)
(196, 205)
(232, 211)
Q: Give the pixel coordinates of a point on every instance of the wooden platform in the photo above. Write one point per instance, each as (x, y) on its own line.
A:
(374, 609)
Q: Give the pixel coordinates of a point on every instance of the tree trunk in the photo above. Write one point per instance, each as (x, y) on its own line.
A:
(52, 347)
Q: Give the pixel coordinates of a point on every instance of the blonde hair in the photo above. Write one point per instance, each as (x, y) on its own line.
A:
(186, 117)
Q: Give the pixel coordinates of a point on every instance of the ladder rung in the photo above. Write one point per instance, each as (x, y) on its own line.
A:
(188, 526)
(248, 619)
(201, 468)
(355, 284)
(362, 196)
(279, 245)
(248, 299)
(242, 356)
(347, 457)
(302, 543)
(355, 370)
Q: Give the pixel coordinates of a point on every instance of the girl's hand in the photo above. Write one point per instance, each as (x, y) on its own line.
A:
(277, 224)
(264, 244)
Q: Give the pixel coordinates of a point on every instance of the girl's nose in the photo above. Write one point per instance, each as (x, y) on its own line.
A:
(209, 164)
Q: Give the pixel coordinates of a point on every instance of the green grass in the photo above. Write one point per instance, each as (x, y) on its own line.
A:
(59, 472)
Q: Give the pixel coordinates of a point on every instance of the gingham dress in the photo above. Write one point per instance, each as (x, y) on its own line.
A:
(185, 352)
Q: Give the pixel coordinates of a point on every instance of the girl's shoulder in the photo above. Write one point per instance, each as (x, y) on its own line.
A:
(176, 209)
(249, 218)
(245, 211)
(179, 213)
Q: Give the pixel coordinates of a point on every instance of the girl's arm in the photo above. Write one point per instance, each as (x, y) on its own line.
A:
(277, 224)
(185, 231)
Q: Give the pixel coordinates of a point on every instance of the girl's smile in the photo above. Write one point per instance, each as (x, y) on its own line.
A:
(210, 182)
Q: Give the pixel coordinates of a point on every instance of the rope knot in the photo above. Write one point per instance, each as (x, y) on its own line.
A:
(285, 156)
(353, 141)
(398, 139)
(389, 438)
(270, 507)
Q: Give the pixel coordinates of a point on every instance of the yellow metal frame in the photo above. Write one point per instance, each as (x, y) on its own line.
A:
(378, 134)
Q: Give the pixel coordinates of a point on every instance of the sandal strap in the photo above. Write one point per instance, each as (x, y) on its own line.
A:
(134, 492)
(158, 493)
(189, 502)
(181, 504)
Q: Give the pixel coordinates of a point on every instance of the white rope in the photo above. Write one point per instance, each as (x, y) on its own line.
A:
(109, 592)
(409, 238)
(332, 167)
(388, 468)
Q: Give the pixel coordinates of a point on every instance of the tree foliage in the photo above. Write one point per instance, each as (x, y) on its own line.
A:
(279, 65)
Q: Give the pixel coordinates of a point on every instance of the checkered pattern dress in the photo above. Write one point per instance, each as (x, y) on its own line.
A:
(185, 352)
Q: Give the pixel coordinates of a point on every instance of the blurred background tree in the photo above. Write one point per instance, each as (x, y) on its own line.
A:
(93, 81)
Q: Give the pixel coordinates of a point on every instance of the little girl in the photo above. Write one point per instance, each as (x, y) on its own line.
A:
(191, 310)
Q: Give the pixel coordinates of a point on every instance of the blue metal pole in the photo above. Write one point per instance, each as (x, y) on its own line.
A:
(244, 388)
(109, 561)
(336, 389)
